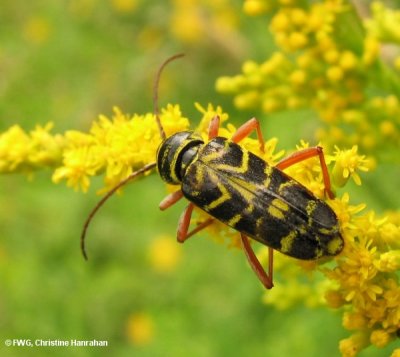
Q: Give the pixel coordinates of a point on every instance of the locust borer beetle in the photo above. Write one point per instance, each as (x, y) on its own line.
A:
(241, 190)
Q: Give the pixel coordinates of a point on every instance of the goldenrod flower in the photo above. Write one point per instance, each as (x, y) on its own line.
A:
(372, 48)
(354, 321)
(37, 30)
(255, 7)
(164, 254)
(350, 347)
(26, 152)
(389, 261)
(140, 329)
(347, 163)
(124, 6)
(116, 147)
(380, 338)
(384, 24)
(195, 20)
(396, 353)
(316, 67)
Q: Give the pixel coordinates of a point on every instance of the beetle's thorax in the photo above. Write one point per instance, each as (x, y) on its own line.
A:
(176, 153)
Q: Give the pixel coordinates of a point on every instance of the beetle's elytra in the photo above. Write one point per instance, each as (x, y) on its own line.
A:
(241, 190)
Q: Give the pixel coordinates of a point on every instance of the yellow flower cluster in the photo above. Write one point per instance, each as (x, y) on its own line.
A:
(116, 147)
(124, 6)
(164, 254)
(384, 24)
(192, 21)
(26, 152)
(347, 162)
(140, 329)
(37, 30)
(367, 281)
(318, 67)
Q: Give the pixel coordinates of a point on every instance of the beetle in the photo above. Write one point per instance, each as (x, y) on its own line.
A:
(240, 189)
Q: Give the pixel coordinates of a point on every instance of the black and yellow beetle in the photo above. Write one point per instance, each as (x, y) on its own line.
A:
(241, 190)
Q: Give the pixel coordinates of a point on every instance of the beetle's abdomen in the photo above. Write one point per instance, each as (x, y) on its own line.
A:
(243, 191)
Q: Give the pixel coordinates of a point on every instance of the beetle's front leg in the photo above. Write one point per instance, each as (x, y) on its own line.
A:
(263, 276)
(213, 127)
(242, 132)
(170, 200)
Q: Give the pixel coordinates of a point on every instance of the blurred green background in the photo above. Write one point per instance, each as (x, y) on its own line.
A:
(68, 62)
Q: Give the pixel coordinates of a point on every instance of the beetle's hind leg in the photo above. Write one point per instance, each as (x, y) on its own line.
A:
(265, 278)
(305, 154)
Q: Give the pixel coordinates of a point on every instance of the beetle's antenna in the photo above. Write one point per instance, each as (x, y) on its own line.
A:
(155, 93)
(106, 197)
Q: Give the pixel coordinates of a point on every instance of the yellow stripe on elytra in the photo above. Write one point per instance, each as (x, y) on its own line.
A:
(287, 242)
(244, 166)
(217, 155)
(285, 185)
(275, 212)
(325, 230)
(250, 208)
(268, 172)
(310, 208)
(199, 176)
(319, 253)
(225, 195)
(235, 219)
(311, 205)
(280, 204)
(207, 158)
(277, 207)
(302, 229)
(335, 245)
(245, 188)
